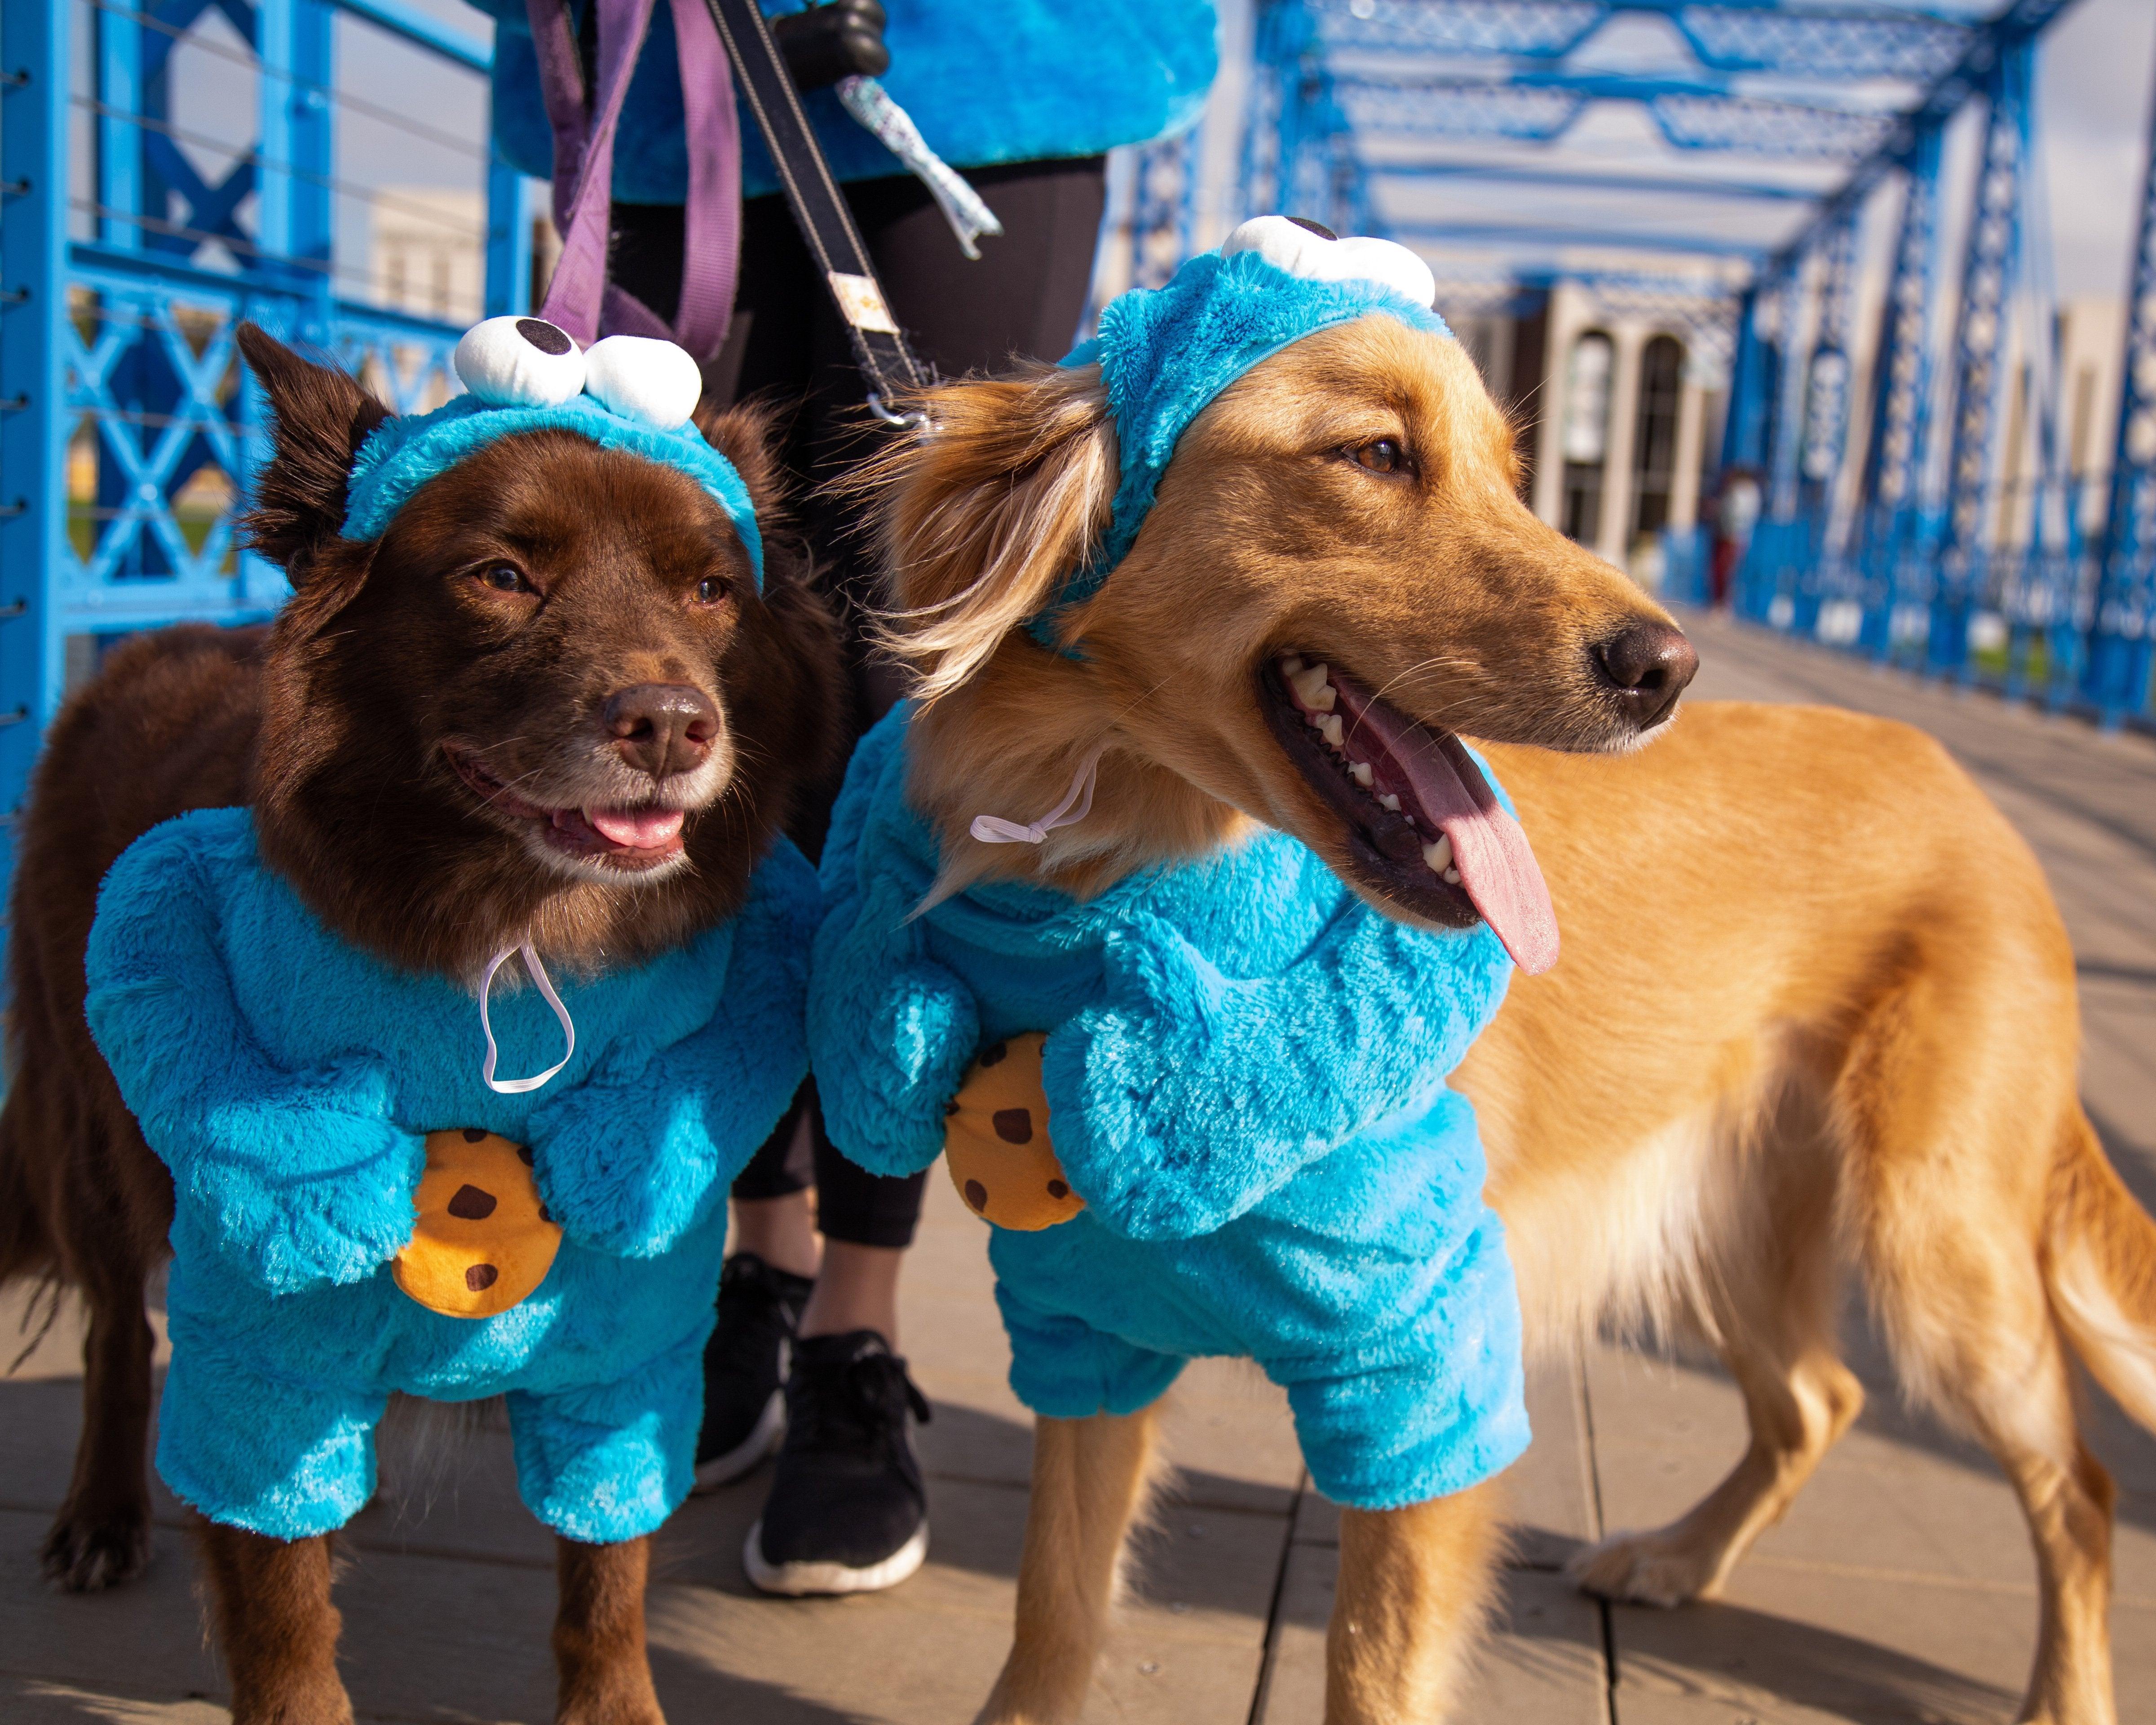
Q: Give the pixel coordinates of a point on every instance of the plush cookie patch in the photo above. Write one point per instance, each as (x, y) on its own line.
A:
(484, 1240)
(996, 1141)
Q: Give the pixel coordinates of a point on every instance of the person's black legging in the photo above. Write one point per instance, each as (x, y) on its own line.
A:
(1023, 297)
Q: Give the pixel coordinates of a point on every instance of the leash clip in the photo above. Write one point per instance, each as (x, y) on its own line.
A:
(918, 420)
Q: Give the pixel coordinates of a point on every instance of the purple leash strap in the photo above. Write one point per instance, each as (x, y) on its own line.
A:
(579, 298)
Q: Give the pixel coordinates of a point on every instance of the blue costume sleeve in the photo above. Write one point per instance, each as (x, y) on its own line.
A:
(1189, 1095)
(889, 1029)
(631, 1159)
(301, 1177)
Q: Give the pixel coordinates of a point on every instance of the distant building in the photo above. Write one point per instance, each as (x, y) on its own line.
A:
(426, 252)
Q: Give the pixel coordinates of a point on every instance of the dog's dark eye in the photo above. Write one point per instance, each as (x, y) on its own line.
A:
(506, 577)
(1381, 454)
(711, 589)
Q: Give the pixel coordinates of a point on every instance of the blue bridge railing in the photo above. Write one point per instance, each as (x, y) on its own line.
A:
(2024, 618)
(168, 168)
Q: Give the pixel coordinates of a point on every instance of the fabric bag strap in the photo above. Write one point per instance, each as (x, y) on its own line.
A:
(580, 298)
(887, 365)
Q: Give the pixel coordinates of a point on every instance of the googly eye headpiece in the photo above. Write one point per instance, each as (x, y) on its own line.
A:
(529, 362)
(526, 374)
(1309, 253)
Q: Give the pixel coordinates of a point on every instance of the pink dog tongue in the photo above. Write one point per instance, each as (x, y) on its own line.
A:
(1489, 847)
(636, 828)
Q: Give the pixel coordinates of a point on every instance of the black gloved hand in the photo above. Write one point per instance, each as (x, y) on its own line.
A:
(842, 40)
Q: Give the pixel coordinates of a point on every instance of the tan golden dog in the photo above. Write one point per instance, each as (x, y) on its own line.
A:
(1815, 1008)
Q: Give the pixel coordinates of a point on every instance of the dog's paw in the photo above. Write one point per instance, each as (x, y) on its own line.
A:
(625, 1698)
(86, 1553)
(1645, 1568)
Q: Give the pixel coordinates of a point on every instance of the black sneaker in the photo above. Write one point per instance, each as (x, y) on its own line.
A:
(745, 1367)
(847, 1513)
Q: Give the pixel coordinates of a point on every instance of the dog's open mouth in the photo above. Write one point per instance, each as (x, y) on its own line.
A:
(630, 840)
(1424, 830)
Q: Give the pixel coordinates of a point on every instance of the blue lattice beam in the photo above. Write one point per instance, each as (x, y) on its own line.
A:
(1543, 237)
(1566, 179)
(2021, 22)
(1980, 333)
(1826, 387)
(2124, 626)
(1830, 41)
(1537, 107)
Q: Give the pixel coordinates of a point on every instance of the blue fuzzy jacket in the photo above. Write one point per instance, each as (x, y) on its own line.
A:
(287, 1079)
(1245, 1074)
(1022, 80)
(1218, 1030)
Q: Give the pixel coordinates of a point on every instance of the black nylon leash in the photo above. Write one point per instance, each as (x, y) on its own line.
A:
(887, 365)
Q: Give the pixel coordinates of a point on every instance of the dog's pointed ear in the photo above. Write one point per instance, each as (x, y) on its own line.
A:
(322, 416)
(745, 434)
(982, 511)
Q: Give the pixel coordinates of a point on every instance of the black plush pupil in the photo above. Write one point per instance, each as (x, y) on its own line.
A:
(543, 336)
(1309, 226)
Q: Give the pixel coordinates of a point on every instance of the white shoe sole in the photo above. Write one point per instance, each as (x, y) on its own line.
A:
(769, 1432)
(794, 1580)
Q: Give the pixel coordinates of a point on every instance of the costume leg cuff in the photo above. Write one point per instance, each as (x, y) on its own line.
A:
(284, 1460)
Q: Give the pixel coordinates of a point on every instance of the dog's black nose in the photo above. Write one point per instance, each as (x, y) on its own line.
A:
(662, 728)
(1646, 665)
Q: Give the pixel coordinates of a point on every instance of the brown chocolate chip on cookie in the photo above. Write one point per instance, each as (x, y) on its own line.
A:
(976, 1194)
(993, 1053)
(1014, 1125)
(470, 1204)
(1058, 1191)
(480, 1277)
(474, 1135)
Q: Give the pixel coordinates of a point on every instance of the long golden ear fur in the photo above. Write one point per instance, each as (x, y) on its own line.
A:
(982, 513)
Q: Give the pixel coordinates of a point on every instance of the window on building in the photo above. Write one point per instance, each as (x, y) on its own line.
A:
(1585, 445)
(1654, 438)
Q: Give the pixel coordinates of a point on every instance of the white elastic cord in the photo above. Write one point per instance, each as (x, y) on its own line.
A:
(521, 1086)
(994, 829)
(870, 103)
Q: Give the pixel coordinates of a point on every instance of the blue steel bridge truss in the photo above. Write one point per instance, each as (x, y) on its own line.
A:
(1884, 530)
(127, 428)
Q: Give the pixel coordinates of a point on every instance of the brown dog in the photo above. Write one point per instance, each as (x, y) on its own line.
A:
(1815, 1003)
(396, 731)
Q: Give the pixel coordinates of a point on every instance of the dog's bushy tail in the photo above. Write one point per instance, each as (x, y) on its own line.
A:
(2100, 1264)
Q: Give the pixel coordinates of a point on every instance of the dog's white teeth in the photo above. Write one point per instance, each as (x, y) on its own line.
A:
(1312, 689)
(1359, 771)
(1389, 801)
(1452, 877)
(1331, 728)
(1291, 664)
(1437, 856)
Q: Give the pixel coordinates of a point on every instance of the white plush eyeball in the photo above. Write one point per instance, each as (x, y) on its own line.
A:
(1311, 254)
(640, 379)
(521, 363)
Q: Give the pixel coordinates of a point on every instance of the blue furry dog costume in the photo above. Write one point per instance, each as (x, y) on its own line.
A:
(1244, 1065)
(288, 1079)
